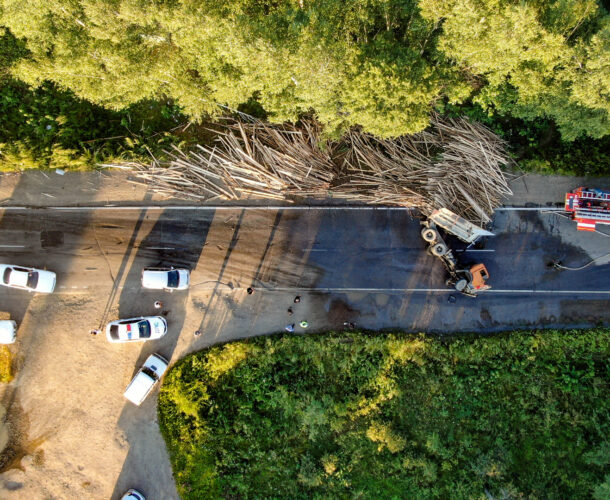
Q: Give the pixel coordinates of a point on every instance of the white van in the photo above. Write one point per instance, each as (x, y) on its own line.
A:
(146, 378)
(8, 331)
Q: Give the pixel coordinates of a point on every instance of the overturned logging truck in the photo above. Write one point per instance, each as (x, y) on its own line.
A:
(468, 280)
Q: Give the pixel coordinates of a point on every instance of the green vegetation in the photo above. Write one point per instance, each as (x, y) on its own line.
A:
(521, 415)
(46, 127)
(382, 64)
(6, 364)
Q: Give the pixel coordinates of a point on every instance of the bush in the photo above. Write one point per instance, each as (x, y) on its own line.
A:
(392, 416)
(6, 362)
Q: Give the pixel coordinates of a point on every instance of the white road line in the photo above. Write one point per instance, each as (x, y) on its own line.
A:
(441, 290)
(400, 290)
(251, 207)
(202, 207)
(12, 246)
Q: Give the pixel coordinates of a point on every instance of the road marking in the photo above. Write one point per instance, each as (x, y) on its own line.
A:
(427, 290)
(251, 207)
(202, 207)
(392, 290)
(12, 246)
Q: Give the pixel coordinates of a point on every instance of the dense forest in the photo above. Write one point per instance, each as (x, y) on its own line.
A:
(349, 415)
(537, 72)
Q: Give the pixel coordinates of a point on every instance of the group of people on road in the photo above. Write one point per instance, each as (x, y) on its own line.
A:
(303, 324)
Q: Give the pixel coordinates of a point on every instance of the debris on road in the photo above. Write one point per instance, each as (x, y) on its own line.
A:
(455, 163)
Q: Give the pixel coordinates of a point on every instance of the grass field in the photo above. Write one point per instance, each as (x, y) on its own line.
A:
(350, 415)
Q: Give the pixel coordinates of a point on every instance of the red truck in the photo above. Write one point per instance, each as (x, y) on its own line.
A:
(588, 206)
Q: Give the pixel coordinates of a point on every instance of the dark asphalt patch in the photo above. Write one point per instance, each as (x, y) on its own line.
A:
(51, 239)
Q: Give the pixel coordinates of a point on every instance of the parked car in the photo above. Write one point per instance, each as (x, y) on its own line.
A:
(136, 329)
(146, 378)
(160, 278)
(8, 331)
(27, 278)
(133, 495)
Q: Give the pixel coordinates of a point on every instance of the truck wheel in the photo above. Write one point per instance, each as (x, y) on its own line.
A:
(460, 285)
(438, 250)
(429, 234)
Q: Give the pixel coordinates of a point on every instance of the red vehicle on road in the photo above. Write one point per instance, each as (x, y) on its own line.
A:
(589, 206)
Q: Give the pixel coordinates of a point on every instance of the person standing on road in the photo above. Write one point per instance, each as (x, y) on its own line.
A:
(303, 324)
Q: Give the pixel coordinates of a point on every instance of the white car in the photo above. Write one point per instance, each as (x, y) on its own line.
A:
(8, 331)
(27, 278)
(146, 378)
(158, 278)
(136, 329)
(133, 495)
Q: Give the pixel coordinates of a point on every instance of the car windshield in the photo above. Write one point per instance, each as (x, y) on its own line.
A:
(7, 275)
(32, 279)
(144, 328)
(172, 279)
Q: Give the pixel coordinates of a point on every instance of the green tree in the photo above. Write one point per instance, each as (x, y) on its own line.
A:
(541, 59)
(365, 62)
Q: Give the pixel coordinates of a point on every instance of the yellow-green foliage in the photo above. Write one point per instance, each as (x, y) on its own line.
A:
(521, 415)
(6, 360)
(224, 359)
(382, 434)
(383, 65)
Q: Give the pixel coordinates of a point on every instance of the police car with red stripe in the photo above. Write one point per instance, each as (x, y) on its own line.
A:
(136, 329)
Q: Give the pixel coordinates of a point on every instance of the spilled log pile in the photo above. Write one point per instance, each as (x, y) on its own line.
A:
(453, 164)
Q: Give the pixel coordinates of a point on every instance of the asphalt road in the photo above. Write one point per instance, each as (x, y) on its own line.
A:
(334, 253)
(364, 266)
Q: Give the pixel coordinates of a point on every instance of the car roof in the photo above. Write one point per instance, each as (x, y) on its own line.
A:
(19, 277)
(139, 387)
(152, 278)
(128, 331)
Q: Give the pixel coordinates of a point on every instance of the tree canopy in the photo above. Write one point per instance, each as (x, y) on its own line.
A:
(381, 64)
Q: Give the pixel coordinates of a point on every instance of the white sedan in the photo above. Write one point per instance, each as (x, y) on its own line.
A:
(136, 329)
(170, 279)
(27, 278)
